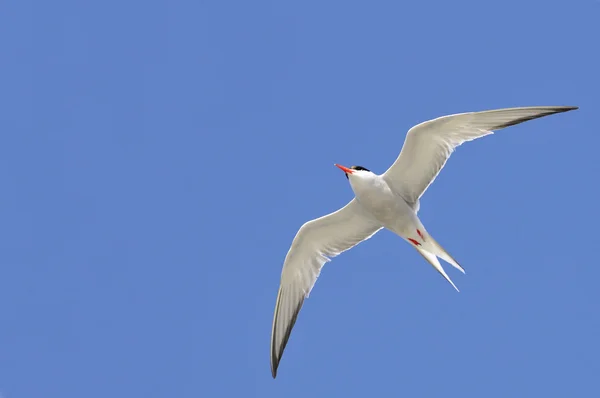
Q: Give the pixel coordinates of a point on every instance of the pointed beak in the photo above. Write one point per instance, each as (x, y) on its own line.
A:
(345, 169)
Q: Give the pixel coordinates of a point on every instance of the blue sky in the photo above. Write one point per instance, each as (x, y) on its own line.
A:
(158, 157)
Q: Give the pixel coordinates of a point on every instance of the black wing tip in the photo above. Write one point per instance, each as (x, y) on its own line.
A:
(544, 111)
(553, 108)
(560, 109)
(276, 358)
(275, 363)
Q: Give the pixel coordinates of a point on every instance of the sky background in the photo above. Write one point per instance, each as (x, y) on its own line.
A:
(158, 157)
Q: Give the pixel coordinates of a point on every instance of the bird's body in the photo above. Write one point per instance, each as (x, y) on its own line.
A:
(378, 198)
(389, 200)
(380, 201)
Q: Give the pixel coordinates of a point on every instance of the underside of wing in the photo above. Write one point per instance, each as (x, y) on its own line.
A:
(315, 243)
(428, 145)
(288, 305)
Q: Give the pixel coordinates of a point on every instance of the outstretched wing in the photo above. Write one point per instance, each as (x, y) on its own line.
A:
(315, 243)
(429, 145)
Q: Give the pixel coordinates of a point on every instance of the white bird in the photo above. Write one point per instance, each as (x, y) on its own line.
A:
(391, 201)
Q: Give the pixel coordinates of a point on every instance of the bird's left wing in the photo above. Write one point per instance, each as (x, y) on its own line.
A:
(315, 243)
(428, 145)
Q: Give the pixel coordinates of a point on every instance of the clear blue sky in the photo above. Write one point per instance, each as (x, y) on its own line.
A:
(158, 157)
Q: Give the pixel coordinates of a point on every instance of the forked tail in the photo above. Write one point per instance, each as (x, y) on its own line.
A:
(433, 260)
(431, 250)
(439, 251)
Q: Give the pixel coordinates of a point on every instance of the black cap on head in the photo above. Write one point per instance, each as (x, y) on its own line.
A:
(358, 168)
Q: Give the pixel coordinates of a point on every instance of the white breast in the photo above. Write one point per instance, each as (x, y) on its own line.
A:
(379, 200)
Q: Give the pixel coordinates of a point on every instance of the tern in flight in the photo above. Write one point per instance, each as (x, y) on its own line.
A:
(389, 200)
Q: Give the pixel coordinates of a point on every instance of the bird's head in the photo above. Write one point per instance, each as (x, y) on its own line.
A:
(357, 171)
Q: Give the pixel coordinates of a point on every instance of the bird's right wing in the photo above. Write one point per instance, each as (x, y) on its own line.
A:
(315, 243)
(428, 145)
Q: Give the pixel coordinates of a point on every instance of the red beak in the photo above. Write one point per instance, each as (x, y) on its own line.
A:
(345, 169)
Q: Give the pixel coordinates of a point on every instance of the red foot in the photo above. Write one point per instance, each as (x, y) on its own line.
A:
(420, 234)
(414, 242)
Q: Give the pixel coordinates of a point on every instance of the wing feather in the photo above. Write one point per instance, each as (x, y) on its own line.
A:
(315, 243)
(428, 145)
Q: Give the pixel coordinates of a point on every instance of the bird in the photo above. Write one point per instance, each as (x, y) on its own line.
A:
(390, 201)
